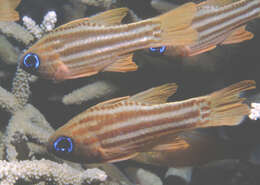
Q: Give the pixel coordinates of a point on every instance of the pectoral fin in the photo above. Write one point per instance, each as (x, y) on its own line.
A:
(123, 63)
(176, 144)
(116, 154)
(239, 35)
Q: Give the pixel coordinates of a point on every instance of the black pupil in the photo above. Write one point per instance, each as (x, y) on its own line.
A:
(64, 144)
(31, 60)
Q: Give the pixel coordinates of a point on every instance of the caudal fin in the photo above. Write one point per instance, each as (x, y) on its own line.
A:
(176, 25)
(7, 10)
(227, 107)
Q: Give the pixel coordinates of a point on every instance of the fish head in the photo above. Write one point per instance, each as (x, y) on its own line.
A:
(44, 62)
(65, 143)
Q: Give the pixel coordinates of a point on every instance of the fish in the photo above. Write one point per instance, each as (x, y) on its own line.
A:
(218, 22)
(7, 10)
(87, 46)
(122, 128)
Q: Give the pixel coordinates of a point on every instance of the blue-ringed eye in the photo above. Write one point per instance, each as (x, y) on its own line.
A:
(31, 61)
(63, 144)
(160, 50)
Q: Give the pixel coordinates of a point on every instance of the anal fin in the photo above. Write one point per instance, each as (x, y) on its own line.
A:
(239, 35)
(123, 63)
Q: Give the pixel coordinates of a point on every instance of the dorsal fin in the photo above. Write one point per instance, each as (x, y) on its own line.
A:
(109, 17)
(112, 101)
(155, 95)
(220, 3)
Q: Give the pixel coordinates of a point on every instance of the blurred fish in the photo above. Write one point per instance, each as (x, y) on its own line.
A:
(121, 128)
(217, 22)
(87, 46)
(7, 12)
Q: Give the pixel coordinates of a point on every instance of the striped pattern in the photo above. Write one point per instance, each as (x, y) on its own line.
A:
(132, 125)
(91, 47)
(214, 24)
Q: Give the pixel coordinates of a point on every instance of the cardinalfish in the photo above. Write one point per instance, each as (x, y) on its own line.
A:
(7, 10)
(122, 128)
(218, 22)
(87, 46)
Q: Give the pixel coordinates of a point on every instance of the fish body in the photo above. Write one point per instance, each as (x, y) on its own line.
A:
(219, 22)
(99, 43)
(122, 128)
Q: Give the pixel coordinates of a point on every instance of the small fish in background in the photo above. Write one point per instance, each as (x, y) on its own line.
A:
(7, 10)
(218, 22)
(87, 46)
(122, 128)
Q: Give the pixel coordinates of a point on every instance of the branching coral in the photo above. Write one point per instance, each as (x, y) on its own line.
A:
(91, 91)
(102, 3)
(48, 171)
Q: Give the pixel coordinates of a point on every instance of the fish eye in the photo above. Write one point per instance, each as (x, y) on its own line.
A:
(159, 50)
(63, 144)
(31, 62)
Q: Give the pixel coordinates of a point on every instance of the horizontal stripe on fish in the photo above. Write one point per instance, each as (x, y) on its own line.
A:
(209, 12)
(170, 121)
(126, 117)
(137, 123)
(235, 22)
(128, 109)
(93, 38)
(144, 135)
(236, 17)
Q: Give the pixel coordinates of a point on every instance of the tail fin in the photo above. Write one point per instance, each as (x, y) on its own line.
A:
(7, 10)
(176, 25)
(227, 107)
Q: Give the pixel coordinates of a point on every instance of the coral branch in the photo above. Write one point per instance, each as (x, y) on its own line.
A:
(47, 171)
(8, 101)
(91, 91)
(16, 31)
(100, 3)
(255, 111)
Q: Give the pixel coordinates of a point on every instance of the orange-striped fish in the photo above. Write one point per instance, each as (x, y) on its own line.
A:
(7, 10)
(122, 128)
(217, 22)
(87, 46)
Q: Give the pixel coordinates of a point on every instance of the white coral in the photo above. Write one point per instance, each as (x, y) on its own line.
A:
(255, 111)
(46, 171)
(49, 21)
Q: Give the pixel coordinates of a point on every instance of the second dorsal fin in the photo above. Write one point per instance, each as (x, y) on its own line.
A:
(155, 95)
(110, 17)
